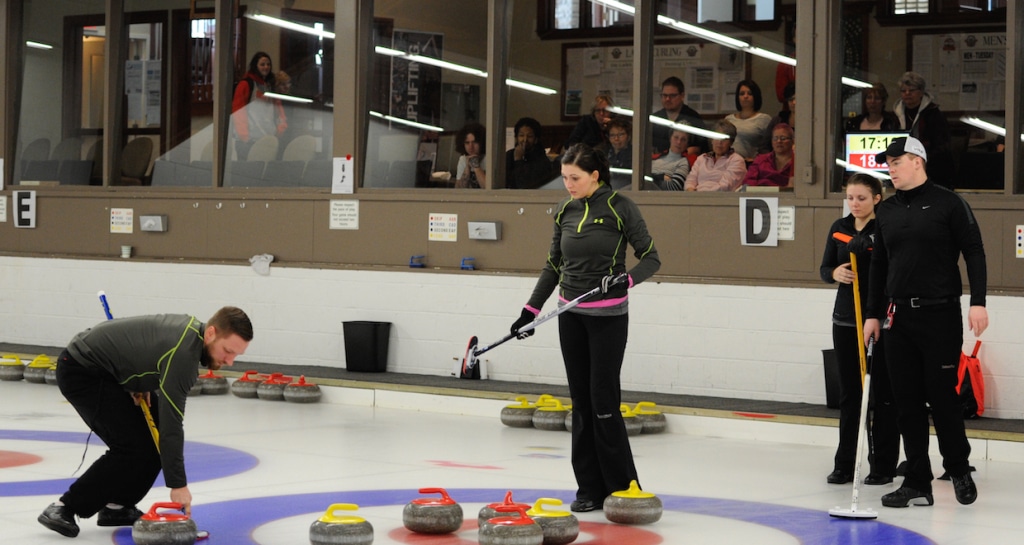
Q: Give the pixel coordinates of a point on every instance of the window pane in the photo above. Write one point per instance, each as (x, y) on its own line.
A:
(62, 89)
(428, 71)
(944, 86)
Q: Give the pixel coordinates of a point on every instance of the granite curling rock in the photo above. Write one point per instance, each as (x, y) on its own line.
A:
(50, 375)
(155, 528)
(653, 420)
(632, 506)
(11, 368)
(212, 384)
(245, 386)
(36, 370)
(560, 527)
(490, 510)
(633, 424)
(568, 418)
(512, 530)
(302, 391)
(432, 515)
(195, 389)
(272, 389)
(519, 415)
(333, 529)
(550, 416)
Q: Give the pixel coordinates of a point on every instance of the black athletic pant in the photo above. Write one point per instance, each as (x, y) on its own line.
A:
(882, 427)
(592, 348)
(923, 349)
(126, 472)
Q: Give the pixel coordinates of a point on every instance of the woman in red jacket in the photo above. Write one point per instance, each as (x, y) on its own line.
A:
(253, 114)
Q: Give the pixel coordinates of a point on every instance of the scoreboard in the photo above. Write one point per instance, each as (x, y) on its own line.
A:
(861, 148)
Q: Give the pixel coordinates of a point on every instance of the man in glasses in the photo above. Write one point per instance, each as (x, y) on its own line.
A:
(673, 96)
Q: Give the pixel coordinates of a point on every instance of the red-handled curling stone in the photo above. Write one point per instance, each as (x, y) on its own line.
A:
(632, 506)
(490, 510)
(550, 416)
(513, 530)
(245, 386)
(560, 527)
(653, 420)
(11, 368)
(212, 384)
(519, 415)
(432, 515)
(633, 425)
(158, 528)
(334, 529)
(302, 391)
(272, 389)
(36, 371)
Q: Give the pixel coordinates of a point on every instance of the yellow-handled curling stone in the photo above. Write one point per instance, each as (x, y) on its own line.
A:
(632, 506)
(334, 529)
(11, 368)
(653, 420)
(560, 527)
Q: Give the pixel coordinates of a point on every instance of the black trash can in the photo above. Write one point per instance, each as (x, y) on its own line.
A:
(828, 357)
(366, 346)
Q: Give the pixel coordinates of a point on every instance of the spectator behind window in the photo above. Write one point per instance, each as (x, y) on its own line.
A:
(527, 165)
(750, 123)
(774, 168)
(470, 142)
(592, 128)
(920, 116)
(721, 169)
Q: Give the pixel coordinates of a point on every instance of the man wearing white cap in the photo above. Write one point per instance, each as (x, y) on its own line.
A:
(914, 297)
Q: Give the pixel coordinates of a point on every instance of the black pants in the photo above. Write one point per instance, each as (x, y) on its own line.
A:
(126, 472)
(592, 348)
(923, 348)
(882, 428)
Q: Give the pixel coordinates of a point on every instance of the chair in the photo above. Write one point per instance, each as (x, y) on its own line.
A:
(40, 171)
(135, 159)
(74, 172)
(95, 154)
(207, 153)
(36, 150)
(302, 148)
(69, 149)
(284, 173)
(245, 174)
(318, 173)
(265, 149)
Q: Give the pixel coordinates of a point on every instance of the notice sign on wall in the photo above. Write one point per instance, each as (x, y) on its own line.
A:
(344, 215)
(443, 227)
(122, 220)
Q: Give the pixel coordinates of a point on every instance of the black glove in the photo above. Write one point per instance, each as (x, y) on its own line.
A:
(613, 280)
(860, 244)
(525, 317)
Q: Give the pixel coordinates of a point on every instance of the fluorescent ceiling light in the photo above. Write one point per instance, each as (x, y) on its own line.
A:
(289, 98)
(628, 172)
(856, 83)
(394, 119)
(658, 120)
(986, 126)
(460, 68)
(38, 45)
(531, 87)
(290, 25)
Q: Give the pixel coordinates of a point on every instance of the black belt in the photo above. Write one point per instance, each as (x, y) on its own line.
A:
(918, 302)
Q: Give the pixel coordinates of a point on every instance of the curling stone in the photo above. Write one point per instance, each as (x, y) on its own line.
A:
(632, 506)
(550, 416)
(633, 424)
(173, 528)
(432, 515)
(196, 389)
(11, 368)
(245, 386)
(653, 420)
(302, 391)
(560, 527)
(272, 389)
(568, 418)
(212, 384)
(511, 530)
(490, 510)
(50, 375)
(519, 415)
(36, 371)
(332, 529)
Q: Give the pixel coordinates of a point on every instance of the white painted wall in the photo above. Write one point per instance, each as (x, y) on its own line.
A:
(726, 341)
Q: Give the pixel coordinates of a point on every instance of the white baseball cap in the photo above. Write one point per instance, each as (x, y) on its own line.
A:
(900, 146)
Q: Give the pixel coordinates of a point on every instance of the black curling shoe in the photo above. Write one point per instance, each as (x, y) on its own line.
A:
(839, 476)
(905, 496)
(60, 519)
(583, 506)
(125, 516)
(964, 488)
(875, 479)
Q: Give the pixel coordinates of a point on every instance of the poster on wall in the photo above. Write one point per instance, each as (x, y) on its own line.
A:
(963, 71)
(416, 87)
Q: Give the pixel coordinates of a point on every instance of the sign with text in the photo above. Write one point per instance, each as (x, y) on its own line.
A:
(443, 227)
(759, 221)
(344, 215)
(24, 204)
(122, 220)
(341, 177)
